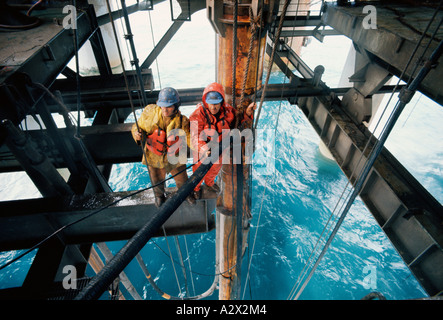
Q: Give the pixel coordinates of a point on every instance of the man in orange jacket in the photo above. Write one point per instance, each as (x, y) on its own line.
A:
(213, 113)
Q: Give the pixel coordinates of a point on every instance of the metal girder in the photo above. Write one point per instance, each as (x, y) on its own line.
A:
(44, 62)
(300, 21)
(113, 143)
(162, 43)
(41, 54)
(26, 222)
(30, 158)
(393, 41)
(185, 15)
(109, 94)
(107, 144)
(411, 218)
(99, 49)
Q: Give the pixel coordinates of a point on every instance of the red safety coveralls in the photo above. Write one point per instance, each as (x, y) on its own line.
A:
(225, 119)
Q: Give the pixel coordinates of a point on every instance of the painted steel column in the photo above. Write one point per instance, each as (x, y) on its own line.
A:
(233, 211)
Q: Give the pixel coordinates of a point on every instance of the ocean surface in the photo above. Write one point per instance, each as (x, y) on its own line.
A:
(294, 190)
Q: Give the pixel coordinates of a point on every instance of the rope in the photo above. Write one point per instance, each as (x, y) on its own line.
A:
(172, 261)
(268, 177)
(277, 37)
(254, 22)
(153, 43)
(234, 51)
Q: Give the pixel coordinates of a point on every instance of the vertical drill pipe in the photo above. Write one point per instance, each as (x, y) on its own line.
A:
(232, 207)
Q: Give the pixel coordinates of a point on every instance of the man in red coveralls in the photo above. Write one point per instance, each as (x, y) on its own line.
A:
(214, 113)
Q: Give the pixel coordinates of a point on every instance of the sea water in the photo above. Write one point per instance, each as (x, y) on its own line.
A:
(292, 199)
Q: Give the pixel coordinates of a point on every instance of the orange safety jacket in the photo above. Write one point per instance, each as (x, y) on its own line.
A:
(209, 123)
(157, 143)
(216, 125)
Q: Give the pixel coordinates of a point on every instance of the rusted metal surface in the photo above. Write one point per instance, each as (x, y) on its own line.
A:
(225, 54)
(232, 205)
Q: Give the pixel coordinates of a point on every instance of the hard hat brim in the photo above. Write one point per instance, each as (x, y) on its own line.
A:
(214, 101)
(165, 104)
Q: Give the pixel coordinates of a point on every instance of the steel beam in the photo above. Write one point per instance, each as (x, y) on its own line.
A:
(393, 41)
(45, 61)
(409, 215)
(37, 165)
(26, 222)
(162, 43)
(115, 96)
(41, 54)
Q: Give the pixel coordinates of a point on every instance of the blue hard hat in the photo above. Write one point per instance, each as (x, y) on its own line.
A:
(214, 97)
(167, 97)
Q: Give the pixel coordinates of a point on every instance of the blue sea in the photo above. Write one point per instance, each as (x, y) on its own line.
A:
(292, 198)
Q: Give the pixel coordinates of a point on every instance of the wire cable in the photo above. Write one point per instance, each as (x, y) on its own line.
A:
(153, 43)
(266, 181)
(360, 178)
(280, 26)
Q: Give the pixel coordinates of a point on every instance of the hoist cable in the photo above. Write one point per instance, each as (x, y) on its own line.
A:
(172, 262)
(195, 272)
(189, 263)
(182, 264)
(172, 297)
(276, 39)
(154, 45)
(403, 100)
(77, 74)
(234, 52)
(303, 272)
(267, 178)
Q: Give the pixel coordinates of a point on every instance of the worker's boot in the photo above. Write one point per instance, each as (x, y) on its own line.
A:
(214, 188)
(191, 199)
(197, 194)
(159, 200)
(157, 175)
(180, 180)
